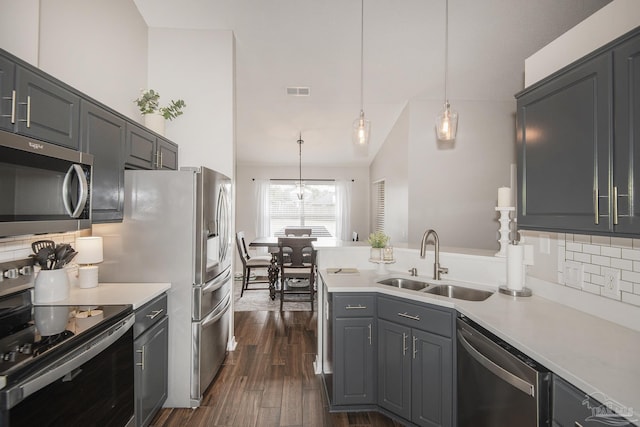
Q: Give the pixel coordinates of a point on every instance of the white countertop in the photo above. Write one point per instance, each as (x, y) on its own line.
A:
(136, 294)
(593, 354)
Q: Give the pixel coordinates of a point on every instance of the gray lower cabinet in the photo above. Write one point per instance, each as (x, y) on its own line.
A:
(572, 407)
(416, 361)
(146, 150)
(151, 332)
(354, 336)
(103, 136)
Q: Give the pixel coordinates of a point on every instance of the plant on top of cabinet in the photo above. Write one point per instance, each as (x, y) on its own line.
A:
(149, 103)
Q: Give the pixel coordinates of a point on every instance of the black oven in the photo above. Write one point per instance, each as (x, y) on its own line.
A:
(45, 188)
(63, 365)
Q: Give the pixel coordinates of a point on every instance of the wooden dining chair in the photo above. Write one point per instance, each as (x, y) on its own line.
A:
(297, 270)
(249, 262)
(298, 231)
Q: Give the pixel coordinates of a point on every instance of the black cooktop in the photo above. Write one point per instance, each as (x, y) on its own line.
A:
(32, 335)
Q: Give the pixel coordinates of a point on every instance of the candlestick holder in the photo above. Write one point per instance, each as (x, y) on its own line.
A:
(505, 219)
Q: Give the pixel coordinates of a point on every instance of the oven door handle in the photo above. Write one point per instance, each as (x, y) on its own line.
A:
(497, 370)
(75, 361)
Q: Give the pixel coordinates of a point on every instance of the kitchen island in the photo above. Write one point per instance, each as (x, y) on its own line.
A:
(593, 354)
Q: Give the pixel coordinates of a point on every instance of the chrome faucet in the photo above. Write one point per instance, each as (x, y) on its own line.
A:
(437, 270)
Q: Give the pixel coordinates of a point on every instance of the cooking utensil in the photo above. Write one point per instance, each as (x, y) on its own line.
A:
(44, 256)
(36, 246)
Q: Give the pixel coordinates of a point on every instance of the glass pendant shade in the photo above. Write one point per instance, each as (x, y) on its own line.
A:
(361, 128)
(447, 124)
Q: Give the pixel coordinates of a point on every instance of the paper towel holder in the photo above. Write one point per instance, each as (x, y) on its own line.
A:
(504, 289)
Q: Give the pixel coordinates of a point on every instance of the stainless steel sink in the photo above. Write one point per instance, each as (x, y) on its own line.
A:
(459, 292)
(397, 282)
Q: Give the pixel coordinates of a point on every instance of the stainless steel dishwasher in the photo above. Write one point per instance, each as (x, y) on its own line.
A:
(497, 384)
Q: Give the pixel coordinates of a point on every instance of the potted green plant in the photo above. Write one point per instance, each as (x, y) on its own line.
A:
(378, 242)
(155, 115)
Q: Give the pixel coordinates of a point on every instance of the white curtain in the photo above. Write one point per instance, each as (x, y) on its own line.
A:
(262, 212)
(343, 209)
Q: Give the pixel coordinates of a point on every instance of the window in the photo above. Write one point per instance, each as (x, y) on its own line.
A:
(378, 205)
(317, 208)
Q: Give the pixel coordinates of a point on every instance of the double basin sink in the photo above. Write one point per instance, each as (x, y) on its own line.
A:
(442, 289)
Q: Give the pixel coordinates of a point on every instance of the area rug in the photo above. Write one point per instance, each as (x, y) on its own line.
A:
(258, 299)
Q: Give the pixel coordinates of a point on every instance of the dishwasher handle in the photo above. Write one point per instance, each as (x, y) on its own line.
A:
(498, 371)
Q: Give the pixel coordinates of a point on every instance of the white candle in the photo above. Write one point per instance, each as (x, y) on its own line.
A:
(504, 197)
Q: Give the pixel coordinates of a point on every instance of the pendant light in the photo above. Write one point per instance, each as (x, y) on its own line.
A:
(361, 126)
(300, 189)
(447, 120)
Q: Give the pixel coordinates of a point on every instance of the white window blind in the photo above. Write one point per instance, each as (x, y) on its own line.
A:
(378, 207)
(317, 208)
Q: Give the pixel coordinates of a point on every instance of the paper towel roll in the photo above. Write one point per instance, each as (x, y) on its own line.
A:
(515, 267)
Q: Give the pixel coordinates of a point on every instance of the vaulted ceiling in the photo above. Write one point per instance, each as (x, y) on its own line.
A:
(316, 44)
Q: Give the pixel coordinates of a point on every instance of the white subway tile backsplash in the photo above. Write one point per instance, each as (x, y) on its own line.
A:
(611, 252)
(575, 247)
(632, 254)
(580, 257)
(19, 247)
(622, 264)
(596, 252)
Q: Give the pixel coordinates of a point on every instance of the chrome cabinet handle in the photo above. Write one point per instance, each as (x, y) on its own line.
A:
(160, 154)
(404, 344)
(577, 424)
(29, 111)
(154, 313)
(141, 364)
(13, 106)
(369, 333)
(415, 350)
(408, 316)
(615, 205)
(595, 206)
(355, 307)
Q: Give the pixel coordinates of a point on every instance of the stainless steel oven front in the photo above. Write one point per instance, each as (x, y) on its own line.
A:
(45, 188)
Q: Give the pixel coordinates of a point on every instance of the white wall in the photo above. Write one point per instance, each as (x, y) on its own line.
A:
(390, 164)
(19, 28)
(99, 47)
(198, 67)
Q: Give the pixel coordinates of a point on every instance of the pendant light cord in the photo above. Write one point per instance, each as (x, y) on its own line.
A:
(362, 56)
(446, 48)
(300, 165)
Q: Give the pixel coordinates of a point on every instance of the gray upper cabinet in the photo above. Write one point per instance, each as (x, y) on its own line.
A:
(7, 94)
(146, 150)
(103, 135)
(47, 111)
(563, 142)
(577, 135)
(626, 162)
(38, 106)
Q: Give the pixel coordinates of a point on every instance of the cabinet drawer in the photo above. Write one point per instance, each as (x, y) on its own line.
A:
(353, 305)
(430, 319)
(149, 314)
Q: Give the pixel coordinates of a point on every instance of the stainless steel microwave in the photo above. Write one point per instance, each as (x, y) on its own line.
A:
(44, 188)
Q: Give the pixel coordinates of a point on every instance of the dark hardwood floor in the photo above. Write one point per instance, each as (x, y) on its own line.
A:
(269, 380)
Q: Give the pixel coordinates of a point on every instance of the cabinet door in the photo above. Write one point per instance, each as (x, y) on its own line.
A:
(394, 368)
(432, 387)
(103, 135)
(151, 374)
(46, 110)
(354, 370)
(140, 148)
(167, 154)
(563, 143)
(7, 94)
(626, 166)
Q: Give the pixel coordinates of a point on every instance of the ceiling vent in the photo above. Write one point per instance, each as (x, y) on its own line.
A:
(298, 91)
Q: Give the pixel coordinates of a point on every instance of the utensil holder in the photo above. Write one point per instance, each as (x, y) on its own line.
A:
(51, 286)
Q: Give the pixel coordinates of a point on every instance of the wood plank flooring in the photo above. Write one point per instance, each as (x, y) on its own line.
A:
(269, 380)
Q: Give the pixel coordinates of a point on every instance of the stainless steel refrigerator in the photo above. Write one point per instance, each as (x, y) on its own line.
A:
(177, 228)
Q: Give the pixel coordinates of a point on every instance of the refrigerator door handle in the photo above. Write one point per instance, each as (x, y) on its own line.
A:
(216, 284)
(218, 313)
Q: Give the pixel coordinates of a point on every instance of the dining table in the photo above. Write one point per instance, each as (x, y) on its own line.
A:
(271, 243)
